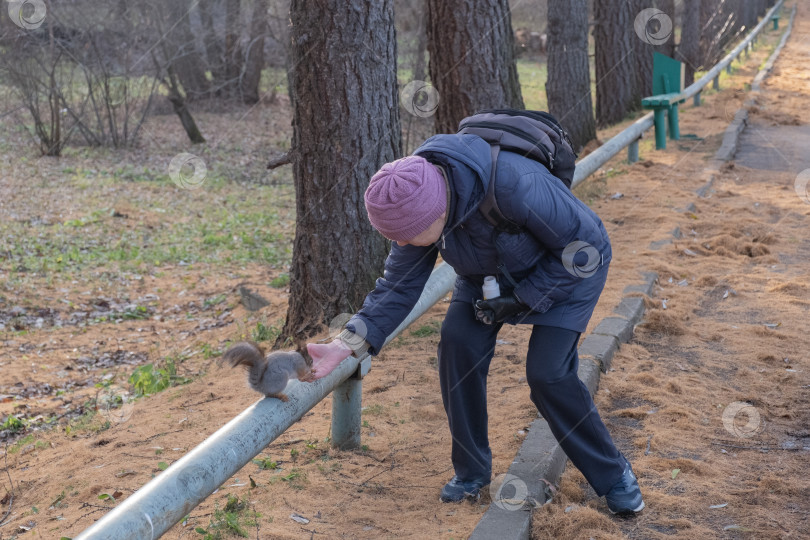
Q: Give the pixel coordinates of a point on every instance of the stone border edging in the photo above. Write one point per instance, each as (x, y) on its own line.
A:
(540, 460)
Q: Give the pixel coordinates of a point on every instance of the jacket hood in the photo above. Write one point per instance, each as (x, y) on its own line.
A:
(471, 150)
(468, 162)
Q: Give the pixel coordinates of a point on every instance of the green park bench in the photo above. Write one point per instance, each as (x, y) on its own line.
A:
(667, 87)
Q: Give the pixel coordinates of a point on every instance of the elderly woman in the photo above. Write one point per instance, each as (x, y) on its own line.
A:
(551, 271)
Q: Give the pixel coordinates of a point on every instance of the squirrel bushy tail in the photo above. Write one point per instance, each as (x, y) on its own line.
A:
(250, 356)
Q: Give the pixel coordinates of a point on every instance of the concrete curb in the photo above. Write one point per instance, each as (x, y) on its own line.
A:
(540, 460)
(731, 139)
(766, 69)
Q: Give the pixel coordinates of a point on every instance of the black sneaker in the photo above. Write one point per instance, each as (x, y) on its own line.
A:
(457, 490)
(625, 496)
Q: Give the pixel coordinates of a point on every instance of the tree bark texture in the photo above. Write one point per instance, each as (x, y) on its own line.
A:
(720, 22)
(710, 23)
(750, 14)
(668, 7)
(472, 59)
(689, 46)
(214, 50)
(615, 72)
(188, 63)
(642, 56)
(344, 92)
(234, 57)
(568, 86)
(737, 9)
(254, 55)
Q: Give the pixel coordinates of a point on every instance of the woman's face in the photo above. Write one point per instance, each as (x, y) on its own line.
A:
(429, 236)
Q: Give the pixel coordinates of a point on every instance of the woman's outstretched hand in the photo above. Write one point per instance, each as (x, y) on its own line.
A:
(327, 356)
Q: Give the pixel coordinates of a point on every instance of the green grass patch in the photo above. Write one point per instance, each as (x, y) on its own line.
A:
(263, 332)
(281, 281)
(229, 224)
(89, 421)
(427, 330)
(149, 379)
(25, 441)
(374, 410)
(266, 463)
(13, 424)
(235, 519)
(532, 76)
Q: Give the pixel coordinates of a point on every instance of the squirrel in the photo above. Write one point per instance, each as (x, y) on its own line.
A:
(269, 374)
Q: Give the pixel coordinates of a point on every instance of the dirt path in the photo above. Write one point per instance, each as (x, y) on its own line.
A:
(711, 400)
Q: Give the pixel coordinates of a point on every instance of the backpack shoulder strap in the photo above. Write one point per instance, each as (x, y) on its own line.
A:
(489, 205)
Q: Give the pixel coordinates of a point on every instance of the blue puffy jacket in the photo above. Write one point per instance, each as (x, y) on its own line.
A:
(551, 217)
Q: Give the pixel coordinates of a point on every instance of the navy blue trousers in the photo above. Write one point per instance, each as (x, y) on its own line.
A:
(465, 351)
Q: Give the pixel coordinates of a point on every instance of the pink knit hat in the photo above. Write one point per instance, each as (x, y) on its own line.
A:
(405, 197)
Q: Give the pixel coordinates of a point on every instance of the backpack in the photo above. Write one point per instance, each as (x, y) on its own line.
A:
(533, 134)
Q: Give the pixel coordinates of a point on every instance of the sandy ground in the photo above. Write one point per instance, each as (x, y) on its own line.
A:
(668, 391)
(710, 400)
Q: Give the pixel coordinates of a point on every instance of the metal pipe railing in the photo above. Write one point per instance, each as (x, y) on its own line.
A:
(629, 137)
(591, 163)
(725, 63)
(164, 501)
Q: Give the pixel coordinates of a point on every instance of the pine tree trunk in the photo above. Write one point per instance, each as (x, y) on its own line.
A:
(689, 47)
(642, 56)
(472, 59)
(188, 63)
(343, 88)
(214, 51)
(749, 14)
(615, 73)
(234, 57)
(736, 8)
(568, 86)
(254, 61)
(668, 7)
(709, 27)
(421, 43)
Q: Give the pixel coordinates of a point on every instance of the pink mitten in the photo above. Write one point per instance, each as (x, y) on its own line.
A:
(327, 356)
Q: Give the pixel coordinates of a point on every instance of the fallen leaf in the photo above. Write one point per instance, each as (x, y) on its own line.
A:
(675, 473)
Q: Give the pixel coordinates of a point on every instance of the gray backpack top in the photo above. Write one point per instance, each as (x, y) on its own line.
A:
(534, 134)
